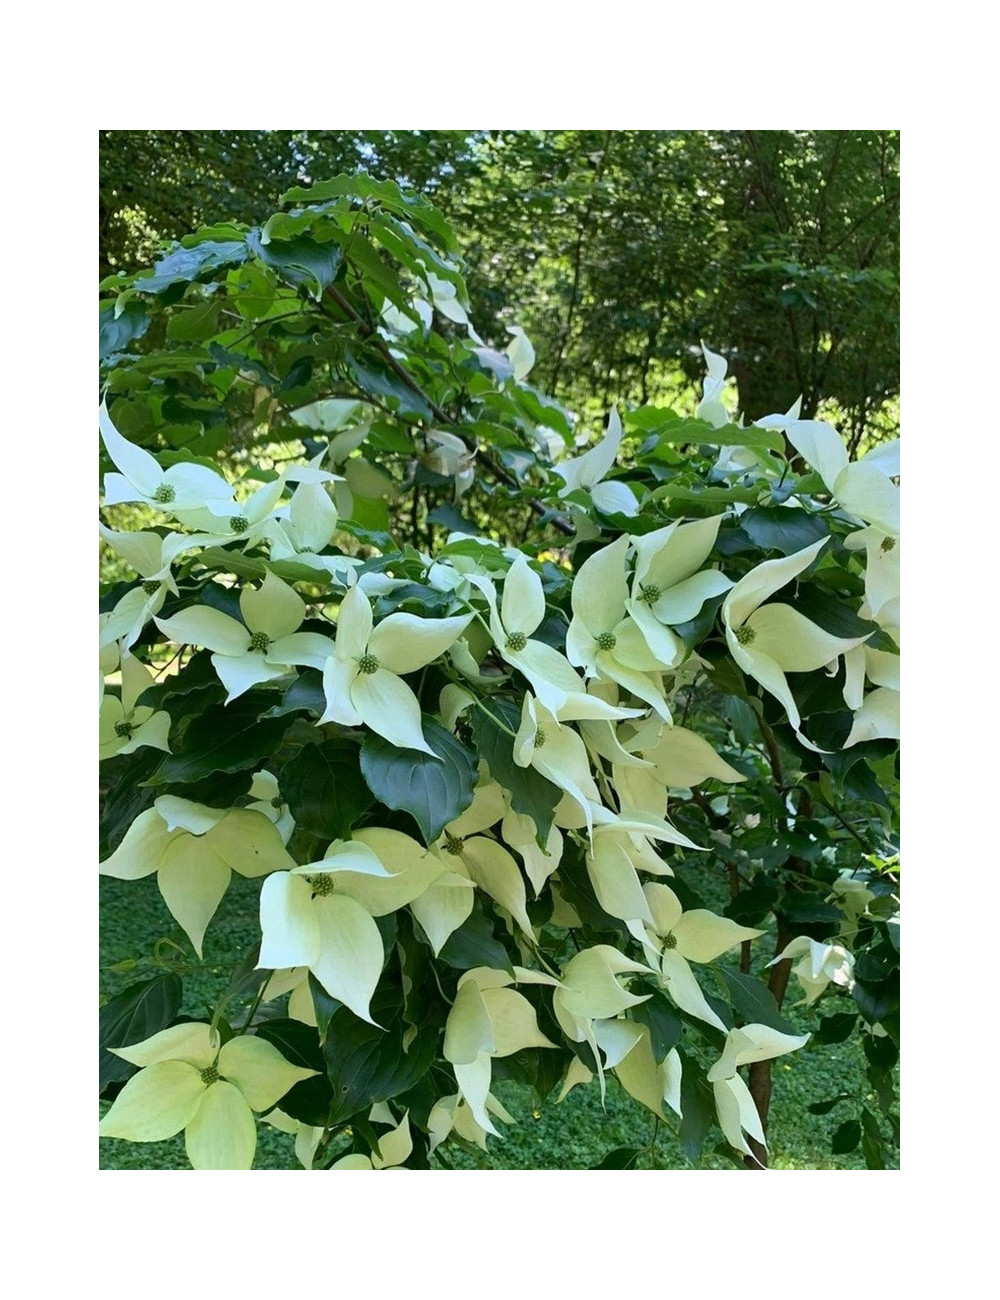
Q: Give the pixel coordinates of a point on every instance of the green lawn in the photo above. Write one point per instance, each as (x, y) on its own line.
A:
(573, 1135)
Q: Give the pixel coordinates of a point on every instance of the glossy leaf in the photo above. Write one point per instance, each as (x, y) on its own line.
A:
(134, 1015)
(434, 791)
(324, 789)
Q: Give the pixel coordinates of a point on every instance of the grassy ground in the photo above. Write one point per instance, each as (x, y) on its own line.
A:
(573, 1135)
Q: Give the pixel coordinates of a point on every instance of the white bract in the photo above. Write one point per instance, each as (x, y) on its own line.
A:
(179, 489)
(125, 725)
(194, 850)
(669, 585)
(864, 488)
(361, 678)
(769, 640)
(190, 1082)
(586, 473)
(819, 965)
(263, 647)
(604, 639)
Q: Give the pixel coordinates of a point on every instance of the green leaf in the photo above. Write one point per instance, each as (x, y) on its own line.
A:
(474, 944)
(371, 376)
(871, 1141)
(134, 1015)
(846, 1137)
(365, 1064)
(186, 264)
(413, 206)
(664, 1024)
(117, 332)
(301, 262)
(831, 614)
(774, 528)
(750, 906)
(226, 738)
(305, 695)
(127, 797)
(824, 1107)
(697, 1109)
(195, 323)
(324, 789)
(530, 793)
(754, 1001)
(620, 1158)
(742, 719)
(877, 1001)
(835, 1029)
(881, 1053)
(308, 1100)
(434, 791)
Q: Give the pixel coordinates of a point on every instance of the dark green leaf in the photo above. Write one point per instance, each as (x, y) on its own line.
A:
(530, 793)
(372, 376)
(877, 1001)
(846, 1137)
(227, 738)
(871, 1142)
(305, 695)
(448, 516)
(835, 1029)
(830, 614)
(300, 261)
(133, 1016)
(751, 905)
(324, 789)
(128, 795)
(824, 1107)
(620, 1158)
(697, 1110)
(881, 1053)
(742, 719)
(432, 790)
(775, 528)
(365, 1064)
(664, 1024)
(754, 1001)
(308, 1100)
(474, 944)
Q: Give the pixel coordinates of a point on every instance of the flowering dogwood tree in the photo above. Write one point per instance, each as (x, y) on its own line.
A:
(485, 700)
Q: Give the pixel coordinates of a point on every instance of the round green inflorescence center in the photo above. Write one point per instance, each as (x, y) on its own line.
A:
(606, 641)
(239, 524)
(368, 664)
(276, 802)
(649, 593)
(124, 729)
(745, 635)
(210, 1075)
(259, 641)
(670, 941)
(164, 494)
(151, 587)
(539, 738)
(516, 641)
(888, 544)
(453, 844)
(322, 886)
